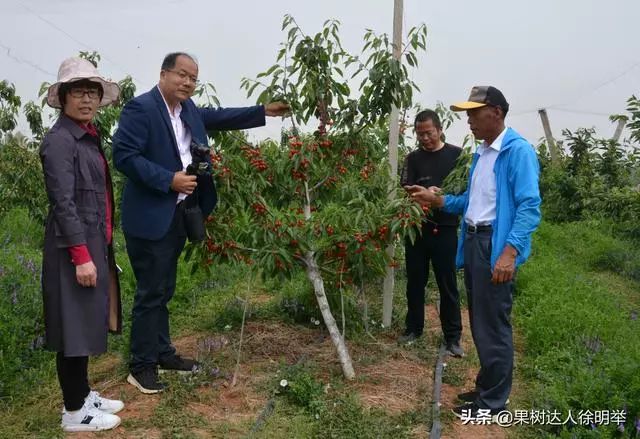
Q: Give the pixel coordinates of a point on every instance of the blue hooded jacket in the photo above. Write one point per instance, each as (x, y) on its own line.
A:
(517, 199)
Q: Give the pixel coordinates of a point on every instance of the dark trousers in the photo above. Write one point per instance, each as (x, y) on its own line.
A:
(73, 378)
(155, 264)
(439, 249)
(490, 319)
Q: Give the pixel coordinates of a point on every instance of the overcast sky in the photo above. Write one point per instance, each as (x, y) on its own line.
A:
(578, 58)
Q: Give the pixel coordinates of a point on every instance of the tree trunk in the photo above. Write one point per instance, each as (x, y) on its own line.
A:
(313, 273)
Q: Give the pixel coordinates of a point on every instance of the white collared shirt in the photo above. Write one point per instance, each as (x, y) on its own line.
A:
(482, 194)
(183, 137)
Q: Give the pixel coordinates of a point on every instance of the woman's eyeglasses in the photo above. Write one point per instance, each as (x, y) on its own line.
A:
(79, 93)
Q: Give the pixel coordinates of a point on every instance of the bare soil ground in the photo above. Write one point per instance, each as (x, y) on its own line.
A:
(389, 377)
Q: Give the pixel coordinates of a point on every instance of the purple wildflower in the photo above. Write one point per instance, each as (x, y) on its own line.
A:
(31, 266)
(37, 342)
(594, 344)
(211, 344)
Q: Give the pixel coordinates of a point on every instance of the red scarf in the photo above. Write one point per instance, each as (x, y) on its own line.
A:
(89, 128)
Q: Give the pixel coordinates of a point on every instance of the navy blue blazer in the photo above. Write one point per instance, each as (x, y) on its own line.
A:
(145, 150)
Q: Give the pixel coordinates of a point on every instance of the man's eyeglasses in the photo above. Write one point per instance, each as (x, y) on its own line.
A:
(183, 75)
(79, 93)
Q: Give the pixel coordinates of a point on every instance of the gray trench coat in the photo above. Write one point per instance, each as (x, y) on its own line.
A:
(77, 318)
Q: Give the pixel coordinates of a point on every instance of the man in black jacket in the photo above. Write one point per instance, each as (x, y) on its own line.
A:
(427, 166)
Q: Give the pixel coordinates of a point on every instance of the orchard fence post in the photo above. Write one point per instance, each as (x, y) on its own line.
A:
(394, 132)
(622, 122)
(551, 143)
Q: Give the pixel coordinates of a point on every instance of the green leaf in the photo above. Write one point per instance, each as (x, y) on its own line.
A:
(291, 33)
(270, 71)
(251, 89)
(409, 60)
(334, 32)
(264, 97)
(286, 21)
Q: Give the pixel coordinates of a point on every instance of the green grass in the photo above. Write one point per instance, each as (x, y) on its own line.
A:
(23, 362)
(287, 421)
(205, 303)
(575, 313)
(582, 343)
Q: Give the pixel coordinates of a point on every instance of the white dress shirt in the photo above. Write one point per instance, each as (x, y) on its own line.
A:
(183, 138)
(482, 194)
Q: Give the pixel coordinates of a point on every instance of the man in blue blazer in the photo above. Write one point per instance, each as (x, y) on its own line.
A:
(152, 148)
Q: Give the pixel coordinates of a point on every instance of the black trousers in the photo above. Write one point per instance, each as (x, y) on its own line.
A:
(490, 319)
(74, 381)
(439, 249)
(155, 265)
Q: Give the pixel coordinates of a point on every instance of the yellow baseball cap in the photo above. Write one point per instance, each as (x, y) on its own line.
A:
(481, 96)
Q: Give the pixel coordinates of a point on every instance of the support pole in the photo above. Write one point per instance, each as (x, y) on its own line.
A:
(551, 143)
(394, 132)
(622, 122)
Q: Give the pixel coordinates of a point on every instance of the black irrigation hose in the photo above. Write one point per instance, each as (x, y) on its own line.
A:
(436, 427)
(271, 405)
(264, 414)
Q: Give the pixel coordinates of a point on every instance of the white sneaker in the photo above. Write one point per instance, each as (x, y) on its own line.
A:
(111, 406)
(88, 418)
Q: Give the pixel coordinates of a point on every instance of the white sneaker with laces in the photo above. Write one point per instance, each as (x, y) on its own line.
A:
(88, 418)
(111, 406)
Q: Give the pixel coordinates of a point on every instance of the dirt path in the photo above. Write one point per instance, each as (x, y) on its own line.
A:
(394, 379)
(217, 402)
(389, 378)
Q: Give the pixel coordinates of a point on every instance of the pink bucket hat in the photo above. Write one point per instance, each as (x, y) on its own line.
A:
(76, 69)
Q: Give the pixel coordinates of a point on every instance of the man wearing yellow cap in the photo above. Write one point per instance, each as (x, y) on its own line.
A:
(501, 210)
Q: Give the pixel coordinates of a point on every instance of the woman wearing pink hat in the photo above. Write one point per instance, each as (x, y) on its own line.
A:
(80, 285)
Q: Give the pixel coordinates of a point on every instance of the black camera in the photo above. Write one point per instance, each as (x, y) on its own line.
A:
(193, 217)
(200, 164)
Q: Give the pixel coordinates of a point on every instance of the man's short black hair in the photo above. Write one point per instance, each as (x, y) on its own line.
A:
(426, 115)
(169, 61)
(64, 88)
(505, 110)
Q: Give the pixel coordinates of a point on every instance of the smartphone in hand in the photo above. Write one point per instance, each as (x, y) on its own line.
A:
(412, 189)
